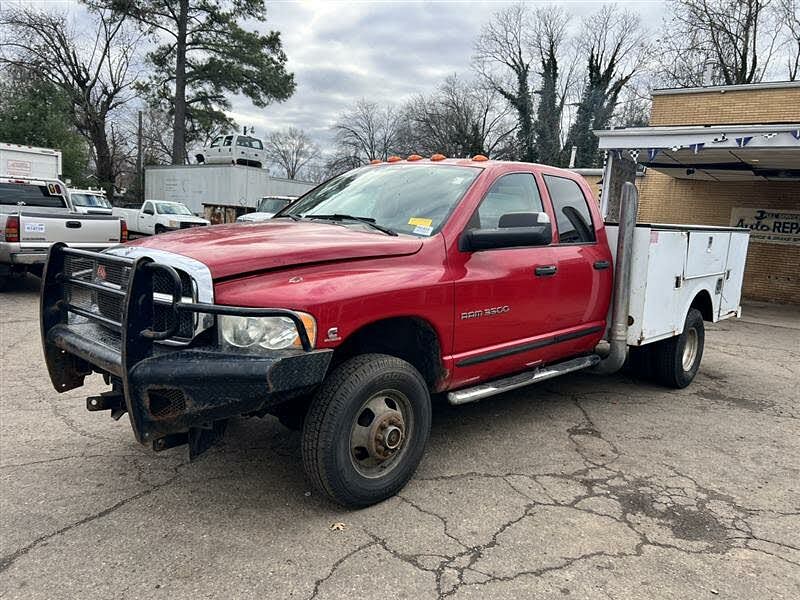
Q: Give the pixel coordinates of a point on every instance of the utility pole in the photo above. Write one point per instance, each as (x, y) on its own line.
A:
(139, 160)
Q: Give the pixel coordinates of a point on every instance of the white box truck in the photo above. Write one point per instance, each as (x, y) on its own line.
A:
(225, 185)
(29, 162)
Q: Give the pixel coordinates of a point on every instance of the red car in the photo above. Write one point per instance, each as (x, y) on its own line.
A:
(347, 310)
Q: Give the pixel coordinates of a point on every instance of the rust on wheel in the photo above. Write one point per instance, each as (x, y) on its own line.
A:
(379, 434)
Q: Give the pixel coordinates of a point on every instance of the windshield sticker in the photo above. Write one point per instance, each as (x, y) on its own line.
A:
(423, 229)
(34, 227)
(419, 221)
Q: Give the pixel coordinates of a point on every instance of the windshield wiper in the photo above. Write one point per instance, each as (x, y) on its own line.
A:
(365, 220)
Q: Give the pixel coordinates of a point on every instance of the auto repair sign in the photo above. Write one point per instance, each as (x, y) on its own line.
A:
(769, 225)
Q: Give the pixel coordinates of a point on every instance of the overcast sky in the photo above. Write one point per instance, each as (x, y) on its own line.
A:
(384, 51)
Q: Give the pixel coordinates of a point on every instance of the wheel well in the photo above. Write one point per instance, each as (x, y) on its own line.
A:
(702, 302)
(409, 338)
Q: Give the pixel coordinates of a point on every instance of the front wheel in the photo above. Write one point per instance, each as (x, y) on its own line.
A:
(159, 229)
(366, 429)
(676, 360)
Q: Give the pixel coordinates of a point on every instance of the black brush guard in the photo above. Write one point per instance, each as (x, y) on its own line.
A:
(173, 395)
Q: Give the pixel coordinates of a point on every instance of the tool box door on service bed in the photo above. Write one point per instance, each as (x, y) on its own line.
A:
(734, 273)
(672, 265)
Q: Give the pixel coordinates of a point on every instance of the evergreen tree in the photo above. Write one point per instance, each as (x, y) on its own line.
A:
(33, 112)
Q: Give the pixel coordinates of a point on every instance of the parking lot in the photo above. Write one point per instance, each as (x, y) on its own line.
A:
(583, 487)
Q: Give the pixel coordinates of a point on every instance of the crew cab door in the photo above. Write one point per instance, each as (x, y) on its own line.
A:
(583, 262)
(147, 218)
(505, 298)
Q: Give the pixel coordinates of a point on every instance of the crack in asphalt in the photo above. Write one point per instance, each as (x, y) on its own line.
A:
(10, 559)
(648, 507)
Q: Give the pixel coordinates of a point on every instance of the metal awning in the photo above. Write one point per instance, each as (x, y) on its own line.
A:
(710, 153)
(713, 153)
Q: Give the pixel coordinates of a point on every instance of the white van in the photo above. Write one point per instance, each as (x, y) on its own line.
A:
(234, 149)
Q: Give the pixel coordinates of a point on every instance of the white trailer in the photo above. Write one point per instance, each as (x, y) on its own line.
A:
(29, 162)
(225, 185)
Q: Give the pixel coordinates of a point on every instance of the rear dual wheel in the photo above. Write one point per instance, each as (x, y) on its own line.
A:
(366, 430)
(674, 362)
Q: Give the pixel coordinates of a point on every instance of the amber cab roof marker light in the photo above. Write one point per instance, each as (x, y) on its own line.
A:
(414, 157)
(393, 159)
(479, 158)
(375, 161)
(437, 157)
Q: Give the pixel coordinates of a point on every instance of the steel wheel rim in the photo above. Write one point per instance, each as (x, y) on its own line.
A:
(690, 349)
(380, 432)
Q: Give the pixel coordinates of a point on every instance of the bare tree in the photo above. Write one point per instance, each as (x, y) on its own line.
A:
(367, 131)
(719, 41)
(504, 56)
(459, 119)
(95, 76)
(790, 11)
(291, 149)
(557, 78)
(613, 41)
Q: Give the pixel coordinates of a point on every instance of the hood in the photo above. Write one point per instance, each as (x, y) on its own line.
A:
(186, 218)
(237, 249)
(255, 216)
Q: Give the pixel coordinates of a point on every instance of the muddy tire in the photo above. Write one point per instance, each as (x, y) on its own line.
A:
(675, 361)
(159, 229)
(366, 430)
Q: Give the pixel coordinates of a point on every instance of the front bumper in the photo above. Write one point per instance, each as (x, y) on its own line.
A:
(166, 391)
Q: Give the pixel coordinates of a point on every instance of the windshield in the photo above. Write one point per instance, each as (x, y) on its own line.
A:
(272, 205)
(414, 199)
(167, 208)
(249, 142)
(29, 195)
(90, 200)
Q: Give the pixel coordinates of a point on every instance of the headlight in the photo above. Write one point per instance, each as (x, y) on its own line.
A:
(269, 333)
(174, 224)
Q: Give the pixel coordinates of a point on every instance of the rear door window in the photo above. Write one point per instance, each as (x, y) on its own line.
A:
(29, 195)
(228, 140)
(512, 193)
(572, 211)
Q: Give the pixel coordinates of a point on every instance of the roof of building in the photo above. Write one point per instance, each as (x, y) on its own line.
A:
(770, 85)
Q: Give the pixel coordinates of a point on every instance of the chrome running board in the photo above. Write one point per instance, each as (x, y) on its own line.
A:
(498, 386)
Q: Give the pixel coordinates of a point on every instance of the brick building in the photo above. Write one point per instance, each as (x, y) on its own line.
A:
(725, 156)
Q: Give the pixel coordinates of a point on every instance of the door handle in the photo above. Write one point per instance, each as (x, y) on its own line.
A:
(602, 264)
(74, 224)
(545, 271)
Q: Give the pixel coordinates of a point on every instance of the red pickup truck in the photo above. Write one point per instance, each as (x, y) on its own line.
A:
(344, 313)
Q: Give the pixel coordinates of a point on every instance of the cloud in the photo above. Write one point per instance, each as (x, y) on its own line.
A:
(383, 51)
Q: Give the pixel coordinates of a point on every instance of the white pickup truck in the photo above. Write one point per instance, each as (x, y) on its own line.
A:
(236, 149)
(90, 202)
(158, 216)
(266, 209)
(34, 214)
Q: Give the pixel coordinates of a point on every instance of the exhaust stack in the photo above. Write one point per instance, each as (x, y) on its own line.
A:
(618, 332)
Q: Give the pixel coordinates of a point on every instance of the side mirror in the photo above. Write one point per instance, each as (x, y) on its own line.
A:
(516, 230)
(148, 211)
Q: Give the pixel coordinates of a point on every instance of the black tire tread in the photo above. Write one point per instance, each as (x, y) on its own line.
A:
(332, 396)
(665, 355)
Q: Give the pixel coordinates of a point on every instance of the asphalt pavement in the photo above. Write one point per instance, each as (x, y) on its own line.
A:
(583, 487)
